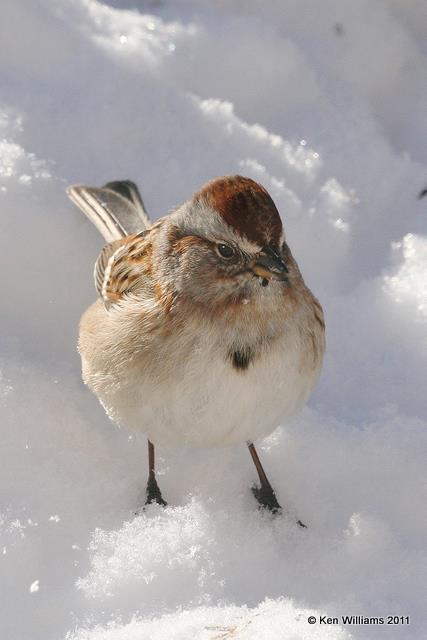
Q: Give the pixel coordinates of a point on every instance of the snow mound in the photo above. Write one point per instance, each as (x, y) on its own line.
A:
(271, 619)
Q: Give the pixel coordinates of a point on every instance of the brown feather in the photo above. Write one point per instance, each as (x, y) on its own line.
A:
(244, 205)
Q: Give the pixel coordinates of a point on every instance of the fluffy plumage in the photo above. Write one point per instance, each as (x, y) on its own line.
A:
(193, 343)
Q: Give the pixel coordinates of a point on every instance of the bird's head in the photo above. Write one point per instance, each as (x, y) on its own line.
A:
(227, 246)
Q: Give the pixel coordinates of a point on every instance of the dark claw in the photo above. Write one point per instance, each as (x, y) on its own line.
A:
(153, 493)
(267, 498)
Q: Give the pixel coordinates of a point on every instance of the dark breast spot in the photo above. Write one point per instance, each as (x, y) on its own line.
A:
(241, 358)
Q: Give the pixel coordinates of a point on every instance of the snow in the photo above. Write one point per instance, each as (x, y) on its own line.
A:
(324, 103)
(285, 621)
(34, 587)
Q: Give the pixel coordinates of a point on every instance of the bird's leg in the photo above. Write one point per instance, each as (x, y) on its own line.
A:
(265, 494)
(153, 492)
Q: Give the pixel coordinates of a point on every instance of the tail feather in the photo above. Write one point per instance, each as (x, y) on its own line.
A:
(116, 209)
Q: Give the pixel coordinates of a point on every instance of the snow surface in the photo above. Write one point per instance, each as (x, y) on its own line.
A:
(324, 103)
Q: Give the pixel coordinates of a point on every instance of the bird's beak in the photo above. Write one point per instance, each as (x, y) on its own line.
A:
(269, 264)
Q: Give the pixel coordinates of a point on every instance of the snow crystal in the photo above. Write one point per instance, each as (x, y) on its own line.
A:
(35, 586)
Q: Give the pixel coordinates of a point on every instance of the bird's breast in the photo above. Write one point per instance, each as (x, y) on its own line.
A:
(207, 388)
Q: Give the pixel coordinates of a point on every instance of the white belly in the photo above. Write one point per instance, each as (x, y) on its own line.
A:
(206, 402)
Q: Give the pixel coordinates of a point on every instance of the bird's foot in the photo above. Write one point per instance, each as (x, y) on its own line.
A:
(267, 498)
(153, 493)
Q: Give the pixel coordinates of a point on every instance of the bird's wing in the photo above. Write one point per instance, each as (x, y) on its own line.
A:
(116, 209)
(123, 266)
(102, 263)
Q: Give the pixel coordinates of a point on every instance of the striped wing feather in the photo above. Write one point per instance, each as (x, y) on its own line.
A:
(121, 267)
(118, 212)
(116, 209)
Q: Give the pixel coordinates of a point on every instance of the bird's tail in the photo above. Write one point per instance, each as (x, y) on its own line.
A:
(116, 209)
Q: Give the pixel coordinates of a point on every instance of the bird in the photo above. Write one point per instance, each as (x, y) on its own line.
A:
(204, 332)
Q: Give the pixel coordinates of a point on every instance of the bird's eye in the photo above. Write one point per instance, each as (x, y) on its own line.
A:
(225, 251)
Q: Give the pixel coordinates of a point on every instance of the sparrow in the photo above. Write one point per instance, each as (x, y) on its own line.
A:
(204, 332)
